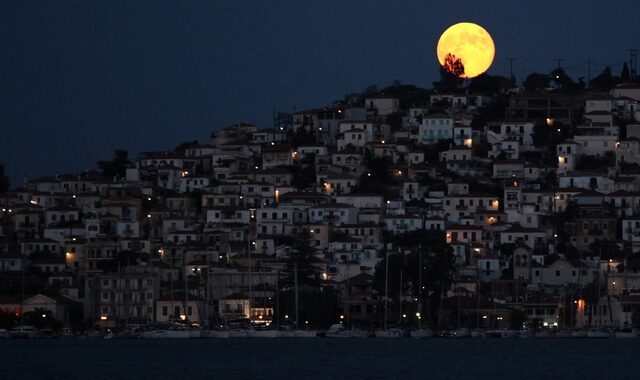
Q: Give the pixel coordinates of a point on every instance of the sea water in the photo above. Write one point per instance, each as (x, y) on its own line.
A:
(367, 358)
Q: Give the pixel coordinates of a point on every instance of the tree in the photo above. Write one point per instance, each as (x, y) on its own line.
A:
(438, 268)
(489, 84)
(300, 258)
(536, 81)
(120, 260)
(451, 73)
(518, 319)
(186, 145)
(302, 136)
(625, 75)
(116, 167)
(564, 82)
(604, 81)
(8, 320)
(41, 318)
(4, 180)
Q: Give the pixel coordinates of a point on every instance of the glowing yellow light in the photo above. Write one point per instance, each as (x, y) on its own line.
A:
(468, 143)
(103, 317)
(183, 317)
(550, 121)
(470, 43)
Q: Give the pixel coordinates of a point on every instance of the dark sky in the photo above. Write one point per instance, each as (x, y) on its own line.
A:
(82, 78)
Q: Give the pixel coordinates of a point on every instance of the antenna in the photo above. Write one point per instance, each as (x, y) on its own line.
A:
(633, 62)
(559, 60)
(511, 68)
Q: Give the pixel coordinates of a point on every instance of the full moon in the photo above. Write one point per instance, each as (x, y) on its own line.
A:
(471, 44)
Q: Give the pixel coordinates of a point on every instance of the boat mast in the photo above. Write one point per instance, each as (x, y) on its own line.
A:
(420, 286)
(186, 286)
(295, 280)
(400, 294)
(250, 274)
(386, 286)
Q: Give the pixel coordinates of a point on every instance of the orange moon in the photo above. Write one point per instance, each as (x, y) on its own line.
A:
(470, 43)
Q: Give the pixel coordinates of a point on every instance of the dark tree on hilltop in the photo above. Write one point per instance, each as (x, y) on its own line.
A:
(408, 95)
(625, 75)
(604, 81)
(186, 145)
(489, 84)
(116, 167)
(451, 74)
(536, 81)
(564, 81)
(371, 90)
(4, 180)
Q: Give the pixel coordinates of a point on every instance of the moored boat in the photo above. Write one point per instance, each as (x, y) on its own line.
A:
(23, 332)
(626, 333)
(599, 333)
(545, 334)
(305, 333)
(389, 333)
(218, 334)
(462, 332)
(421, 333)
(579, 333)
(273, 333)
(238, 333)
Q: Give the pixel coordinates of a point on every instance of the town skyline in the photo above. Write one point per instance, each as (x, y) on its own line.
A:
(106, 96)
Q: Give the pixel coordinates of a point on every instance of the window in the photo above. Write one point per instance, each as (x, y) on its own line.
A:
(165, 310)
(557, 273)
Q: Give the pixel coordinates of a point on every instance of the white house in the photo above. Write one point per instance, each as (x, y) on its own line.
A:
(436, 127)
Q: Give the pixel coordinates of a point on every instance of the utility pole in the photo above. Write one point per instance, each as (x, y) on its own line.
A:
(588, 72)
(559, 60)
(633, 61)
(511, 68)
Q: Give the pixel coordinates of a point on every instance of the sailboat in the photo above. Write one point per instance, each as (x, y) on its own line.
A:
(297, 332)
(420, 332)
(390, 332)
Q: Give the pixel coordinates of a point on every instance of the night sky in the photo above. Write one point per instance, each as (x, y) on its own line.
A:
(82, 78)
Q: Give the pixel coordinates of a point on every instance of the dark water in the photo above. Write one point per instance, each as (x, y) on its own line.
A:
(321, 359)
